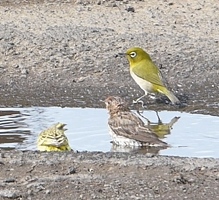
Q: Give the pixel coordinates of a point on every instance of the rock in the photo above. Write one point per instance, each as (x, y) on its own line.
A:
(12, 194)
(130, 9)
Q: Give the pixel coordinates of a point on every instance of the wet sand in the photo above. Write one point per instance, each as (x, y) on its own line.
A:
(66, 53)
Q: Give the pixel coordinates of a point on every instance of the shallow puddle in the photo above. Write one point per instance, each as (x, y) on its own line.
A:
(192, 135)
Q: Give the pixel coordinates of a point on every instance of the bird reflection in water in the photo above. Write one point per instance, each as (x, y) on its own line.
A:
(159, 128)
(135, 149)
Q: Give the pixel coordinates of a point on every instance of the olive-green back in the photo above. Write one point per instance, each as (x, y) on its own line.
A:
(148, 71)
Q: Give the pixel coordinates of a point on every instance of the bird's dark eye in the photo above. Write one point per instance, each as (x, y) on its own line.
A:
(133, 54)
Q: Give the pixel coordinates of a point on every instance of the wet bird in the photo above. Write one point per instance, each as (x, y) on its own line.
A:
(126, 128)
(53, 139)
(146, 74)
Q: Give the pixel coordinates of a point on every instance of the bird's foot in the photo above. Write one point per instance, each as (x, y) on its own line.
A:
(135, 101)
(141, 102)
(152, 96)
(138, 100)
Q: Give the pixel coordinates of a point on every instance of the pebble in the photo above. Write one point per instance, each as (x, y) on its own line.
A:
(5, 193)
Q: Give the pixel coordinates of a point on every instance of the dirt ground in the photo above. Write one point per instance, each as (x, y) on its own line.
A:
(66, 53)
(34, 175)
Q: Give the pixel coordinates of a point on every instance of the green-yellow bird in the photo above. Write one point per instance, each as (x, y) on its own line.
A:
(53, 139)
(146, 74)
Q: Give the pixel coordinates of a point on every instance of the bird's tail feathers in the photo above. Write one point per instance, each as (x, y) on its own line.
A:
(170, 95)
(159, 143)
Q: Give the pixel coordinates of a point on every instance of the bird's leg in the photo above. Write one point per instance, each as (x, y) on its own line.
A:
(137, 107)
(137, 100)
(143, 117)
(142, 104)
(159, 120)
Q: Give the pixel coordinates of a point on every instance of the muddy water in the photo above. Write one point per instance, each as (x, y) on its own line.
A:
(192, 135)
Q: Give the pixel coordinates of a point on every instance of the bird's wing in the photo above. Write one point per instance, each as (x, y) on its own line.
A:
(53, 137)
(149, 72)
(127, 124)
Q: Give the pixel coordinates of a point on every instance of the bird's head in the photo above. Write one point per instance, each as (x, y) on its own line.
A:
(136, 54)
(115, 104)
(60, 126)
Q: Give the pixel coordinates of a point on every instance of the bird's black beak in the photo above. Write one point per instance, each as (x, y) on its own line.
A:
(103, 101)
(120, 55)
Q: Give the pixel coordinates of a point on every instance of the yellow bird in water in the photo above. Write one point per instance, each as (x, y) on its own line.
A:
(53, 139)
(146, 74)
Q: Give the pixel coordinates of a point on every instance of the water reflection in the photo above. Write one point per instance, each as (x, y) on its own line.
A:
(192, 135)
(160, 128)
(13, 129)
(134, 149)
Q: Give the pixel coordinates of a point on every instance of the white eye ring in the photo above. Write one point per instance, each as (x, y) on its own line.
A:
(133, 54)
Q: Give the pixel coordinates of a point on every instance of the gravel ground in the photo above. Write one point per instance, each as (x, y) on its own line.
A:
(35, 175)
(66, 53)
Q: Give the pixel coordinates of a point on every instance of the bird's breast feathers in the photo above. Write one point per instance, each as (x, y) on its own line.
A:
(144, 85)
(123, 141)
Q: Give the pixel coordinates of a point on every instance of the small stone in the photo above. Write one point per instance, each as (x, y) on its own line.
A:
(203, 168)
(47, 191)
(24, 71)
(10, 180)
(130, 9)
(2, 66)
(23, 76)
(9, 193)
(81, 79)
(90, 170)
(100, 190)
(72, 170)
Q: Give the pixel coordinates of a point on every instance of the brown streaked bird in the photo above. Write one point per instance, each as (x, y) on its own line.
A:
(53, 139)
(126, 128)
